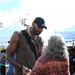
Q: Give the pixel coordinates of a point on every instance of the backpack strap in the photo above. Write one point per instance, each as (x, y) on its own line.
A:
(31, 44)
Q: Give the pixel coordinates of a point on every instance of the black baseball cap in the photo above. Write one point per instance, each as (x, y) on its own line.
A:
(40, 22)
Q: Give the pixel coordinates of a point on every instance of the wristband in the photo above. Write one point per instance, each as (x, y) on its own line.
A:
(21, 67)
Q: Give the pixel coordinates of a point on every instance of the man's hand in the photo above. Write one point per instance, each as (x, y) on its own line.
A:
(26, 71)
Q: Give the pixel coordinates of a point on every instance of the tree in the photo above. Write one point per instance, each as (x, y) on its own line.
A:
(1, 24)
(23, 22)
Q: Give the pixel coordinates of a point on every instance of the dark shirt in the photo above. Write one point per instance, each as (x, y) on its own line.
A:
(72, 64)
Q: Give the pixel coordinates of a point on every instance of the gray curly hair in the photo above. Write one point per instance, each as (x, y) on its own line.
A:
(56, 47)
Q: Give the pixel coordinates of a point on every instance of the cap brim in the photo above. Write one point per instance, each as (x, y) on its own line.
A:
(45, 27)
(42, 26)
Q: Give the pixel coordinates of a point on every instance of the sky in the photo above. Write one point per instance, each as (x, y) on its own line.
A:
(58, 14)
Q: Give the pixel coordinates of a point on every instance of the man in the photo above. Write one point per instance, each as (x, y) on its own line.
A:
(27, 45)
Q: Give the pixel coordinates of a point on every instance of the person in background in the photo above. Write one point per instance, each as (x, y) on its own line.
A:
(10, 69)
(72, 61)
(28, 45)
(3, 62)
(54, 59)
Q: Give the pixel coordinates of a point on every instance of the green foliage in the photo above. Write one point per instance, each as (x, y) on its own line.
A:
(2, 48)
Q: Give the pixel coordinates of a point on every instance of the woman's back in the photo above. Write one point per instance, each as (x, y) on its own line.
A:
(49, 66)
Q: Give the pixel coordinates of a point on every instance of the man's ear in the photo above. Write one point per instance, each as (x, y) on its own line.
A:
(32, 23)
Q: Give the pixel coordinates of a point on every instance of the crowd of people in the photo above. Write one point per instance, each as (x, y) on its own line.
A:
(27, 55)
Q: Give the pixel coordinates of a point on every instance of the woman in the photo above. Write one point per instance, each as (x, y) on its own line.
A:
(54, 59)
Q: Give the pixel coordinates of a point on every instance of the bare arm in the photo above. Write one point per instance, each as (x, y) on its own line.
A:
(11, 49)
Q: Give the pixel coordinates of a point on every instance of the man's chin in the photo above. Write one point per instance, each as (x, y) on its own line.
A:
(38, 34)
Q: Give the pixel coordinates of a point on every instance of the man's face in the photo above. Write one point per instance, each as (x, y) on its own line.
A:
(37, 29)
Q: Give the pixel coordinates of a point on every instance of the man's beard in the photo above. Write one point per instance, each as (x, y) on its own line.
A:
(36, 32)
